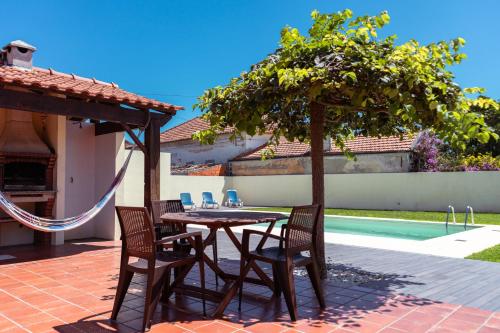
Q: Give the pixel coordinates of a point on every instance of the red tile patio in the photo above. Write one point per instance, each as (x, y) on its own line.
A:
(71, 289)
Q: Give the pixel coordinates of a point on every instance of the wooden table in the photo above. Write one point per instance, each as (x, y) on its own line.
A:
(215, 220)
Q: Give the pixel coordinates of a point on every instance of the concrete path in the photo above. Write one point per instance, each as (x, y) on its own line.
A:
(460, 281)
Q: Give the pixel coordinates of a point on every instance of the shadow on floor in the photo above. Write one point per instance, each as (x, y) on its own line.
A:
(350, 303)
(31, 253)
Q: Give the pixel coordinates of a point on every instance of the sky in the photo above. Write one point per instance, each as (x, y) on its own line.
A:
(174, 50)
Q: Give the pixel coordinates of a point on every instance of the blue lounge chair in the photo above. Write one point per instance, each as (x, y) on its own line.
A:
(187, 201)
(233, 200)
(208, 200)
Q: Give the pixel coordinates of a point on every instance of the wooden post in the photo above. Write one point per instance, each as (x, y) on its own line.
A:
(318, 177)
(152, 162)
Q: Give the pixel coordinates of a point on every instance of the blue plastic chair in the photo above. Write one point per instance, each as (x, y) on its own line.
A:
(187, 201)
(233, 200)
(208, 200)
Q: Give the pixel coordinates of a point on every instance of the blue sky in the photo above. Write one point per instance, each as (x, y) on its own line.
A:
(173, 50)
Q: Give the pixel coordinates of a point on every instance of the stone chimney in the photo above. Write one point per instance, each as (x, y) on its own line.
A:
(18, 53)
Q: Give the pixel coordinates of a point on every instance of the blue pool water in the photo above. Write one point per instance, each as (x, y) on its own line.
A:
(402, 229)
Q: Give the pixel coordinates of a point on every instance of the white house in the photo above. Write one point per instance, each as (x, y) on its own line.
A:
(184, 150)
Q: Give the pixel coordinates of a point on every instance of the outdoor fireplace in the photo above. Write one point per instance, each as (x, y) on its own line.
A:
(26, 168)
(26, 162)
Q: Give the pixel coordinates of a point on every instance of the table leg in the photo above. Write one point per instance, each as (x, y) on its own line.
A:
(264, 238)
(210, 263)
(263, 276)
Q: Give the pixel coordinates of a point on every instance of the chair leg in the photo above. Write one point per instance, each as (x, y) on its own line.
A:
(166, 286)
(244, 269)
(313, 272)
(121, 291)
(288, 285)
(216, 257)
(149, 301)
(201, 263)
(276, 280)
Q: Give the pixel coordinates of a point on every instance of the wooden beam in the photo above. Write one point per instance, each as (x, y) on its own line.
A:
(152, 161)
(109, 127)
(134, 137)
(32, 102)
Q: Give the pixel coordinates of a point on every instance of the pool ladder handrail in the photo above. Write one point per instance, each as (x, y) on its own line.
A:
(468, 210)
(451, 210)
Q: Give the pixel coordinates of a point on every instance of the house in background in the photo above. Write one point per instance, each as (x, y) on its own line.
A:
(187, 153)
(244, 157)
(373, 155)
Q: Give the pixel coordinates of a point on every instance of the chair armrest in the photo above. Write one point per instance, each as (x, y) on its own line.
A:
(185, 235)
(246, 239)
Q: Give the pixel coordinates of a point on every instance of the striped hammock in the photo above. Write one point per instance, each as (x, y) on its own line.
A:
(53, 225)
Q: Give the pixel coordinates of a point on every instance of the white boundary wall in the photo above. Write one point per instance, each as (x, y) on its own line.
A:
(388, 191)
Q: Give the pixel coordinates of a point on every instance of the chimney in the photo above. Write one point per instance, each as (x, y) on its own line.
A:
(19, 54)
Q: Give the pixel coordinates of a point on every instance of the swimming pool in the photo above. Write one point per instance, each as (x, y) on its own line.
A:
(402, 229)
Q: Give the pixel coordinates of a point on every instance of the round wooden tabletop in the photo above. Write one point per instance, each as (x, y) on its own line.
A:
(213, 219)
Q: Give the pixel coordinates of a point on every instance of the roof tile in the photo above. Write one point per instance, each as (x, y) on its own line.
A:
(358, 145)
(185, 130)
(56, 82)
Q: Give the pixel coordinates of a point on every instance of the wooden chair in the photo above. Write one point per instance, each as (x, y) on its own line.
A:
(139, 255)
(161, 207)
(297, 236)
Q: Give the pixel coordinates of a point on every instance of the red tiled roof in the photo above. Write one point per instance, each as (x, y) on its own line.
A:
(72, 85)
(185, 130)
(366, 145)
(358, 145)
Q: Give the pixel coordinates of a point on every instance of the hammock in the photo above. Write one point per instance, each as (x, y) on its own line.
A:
(53, 225)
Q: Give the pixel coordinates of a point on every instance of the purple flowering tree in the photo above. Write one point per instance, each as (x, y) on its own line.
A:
(426, 152)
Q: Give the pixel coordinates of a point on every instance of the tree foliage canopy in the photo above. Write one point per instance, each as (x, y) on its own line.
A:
(367, 85)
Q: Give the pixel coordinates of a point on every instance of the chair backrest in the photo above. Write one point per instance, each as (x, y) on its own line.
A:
(301, 228)
(232, 195)
(186, 199)
(207, 197)
(161, 207)
(137, 231)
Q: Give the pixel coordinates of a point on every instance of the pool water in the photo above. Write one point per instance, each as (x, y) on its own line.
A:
(401, 229)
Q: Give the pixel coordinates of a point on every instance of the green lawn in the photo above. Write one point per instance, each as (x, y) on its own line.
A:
(490, 254)
(479, 218)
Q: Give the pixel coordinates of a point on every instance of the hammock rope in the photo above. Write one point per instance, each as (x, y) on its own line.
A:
(69, 223)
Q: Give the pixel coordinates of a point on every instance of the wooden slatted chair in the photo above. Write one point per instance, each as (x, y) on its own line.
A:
(161, 207)
(139, 255)
(297, 236)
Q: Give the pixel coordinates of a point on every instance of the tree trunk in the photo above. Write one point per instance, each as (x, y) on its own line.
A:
(318, 178)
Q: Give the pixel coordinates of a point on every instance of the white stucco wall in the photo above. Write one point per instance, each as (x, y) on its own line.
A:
(80, 175)
(131, 192)
(196, 185)
(109, 158)
(186, 151)
(388, 191)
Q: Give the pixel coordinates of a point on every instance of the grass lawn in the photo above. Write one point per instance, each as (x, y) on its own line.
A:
(490, 254)
(479, 218)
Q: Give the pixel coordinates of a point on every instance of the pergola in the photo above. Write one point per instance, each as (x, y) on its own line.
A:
(110, 108)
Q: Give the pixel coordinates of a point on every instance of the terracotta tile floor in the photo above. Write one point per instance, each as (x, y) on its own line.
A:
(71, 289)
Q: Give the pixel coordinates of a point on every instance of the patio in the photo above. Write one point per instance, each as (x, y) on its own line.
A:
(71, 289)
